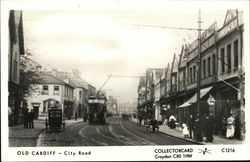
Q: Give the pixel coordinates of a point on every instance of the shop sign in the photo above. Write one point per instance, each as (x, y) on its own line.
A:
(211, 100)
(35, 104)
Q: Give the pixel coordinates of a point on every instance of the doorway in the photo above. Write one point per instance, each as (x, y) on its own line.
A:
(36, 111)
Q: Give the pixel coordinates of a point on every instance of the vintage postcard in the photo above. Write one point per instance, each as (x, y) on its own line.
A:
(122, 80)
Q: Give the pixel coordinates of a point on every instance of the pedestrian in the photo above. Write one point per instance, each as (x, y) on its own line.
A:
(10, 113)
(140, 119)
(155, 125)
(224, 126)
(209, 128)
(203, 123)
(198, 129)
(172, 121)
(191, 126)
(185, 130)
(237, 126)
(230, 126)
(25, 117)
(75, 116)
(31, 118)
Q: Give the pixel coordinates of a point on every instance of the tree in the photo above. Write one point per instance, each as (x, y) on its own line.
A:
(29, 74)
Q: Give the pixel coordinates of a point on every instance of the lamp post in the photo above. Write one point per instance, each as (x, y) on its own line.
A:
(199, 63)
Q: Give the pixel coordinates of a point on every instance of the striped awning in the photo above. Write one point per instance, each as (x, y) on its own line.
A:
(193, 99)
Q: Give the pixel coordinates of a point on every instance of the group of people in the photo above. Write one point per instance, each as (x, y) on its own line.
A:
(199, 127)
(203, 126)
(28, 118)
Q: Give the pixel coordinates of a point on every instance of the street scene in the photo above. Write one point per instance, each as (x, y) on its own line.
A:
(126, 77)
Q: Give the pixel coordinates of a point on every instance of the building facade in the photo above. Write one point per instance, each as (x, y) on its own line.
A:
(80, 93)
(112, 105)
(230, 72)
(51, 92)
(16, 49)
(221, 76)
(157, 95)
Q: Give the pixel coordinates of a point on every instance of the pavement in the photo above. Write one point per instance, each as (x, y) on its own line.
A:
(25, 137)
(22, 137)
(177, 132)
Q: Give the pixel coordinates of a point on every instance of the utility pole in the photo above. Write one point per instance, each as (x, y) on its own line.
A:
(199, 63)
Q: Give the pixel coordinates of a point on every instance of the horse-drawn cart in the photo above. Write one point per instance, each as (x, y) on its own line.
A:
(55, 121)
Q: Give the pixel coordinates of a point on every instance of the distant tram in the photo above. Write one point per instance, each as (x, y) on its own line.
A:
(97, 109)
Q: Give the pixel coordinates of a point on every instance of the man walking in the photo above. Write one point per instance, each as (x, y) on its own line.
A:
(155, 125)
(31, 118)
(76, 116)
(209, 128)
(198, 128)
(25, 117)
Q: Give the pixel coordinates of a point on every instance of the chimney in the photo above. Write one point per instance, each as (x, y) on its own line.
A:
(76, 73)
(54, 72)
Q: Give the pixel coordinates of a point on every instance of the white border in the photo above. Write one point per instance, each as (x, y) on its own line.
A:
(136, 153)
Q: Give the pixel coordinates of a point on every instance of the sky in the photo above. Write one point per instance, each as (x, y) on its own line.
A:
(100, 42)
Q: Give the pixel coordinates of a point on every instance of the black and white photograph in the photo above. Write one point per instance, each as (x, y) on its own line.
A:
(83, 80)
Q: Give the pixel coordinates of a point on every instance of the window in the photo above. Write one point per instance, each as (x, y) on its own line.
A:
(236, 57)
(213, 66)
(222, 60)
(184, 78)
(229, 58)
(208, 66)
(15, 68)
(56, 90)
(45, 89)
(191, 76)
(194, 73)
(15, 71)
(80, 94)
(204, 68)
(173, 84)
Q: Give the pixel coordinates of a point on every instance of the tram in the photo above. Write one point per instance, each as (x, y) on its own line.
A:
(97, 109)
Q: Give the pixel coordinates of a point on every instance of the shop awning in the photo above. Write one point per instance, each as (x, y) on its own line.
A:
(193, 99)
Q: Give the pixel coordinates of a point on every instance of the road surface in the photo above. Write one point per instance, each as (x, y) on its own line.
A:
(116, 132)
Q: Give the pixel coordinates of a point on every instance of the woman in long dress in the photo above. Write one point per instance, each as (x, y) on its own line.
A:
(230, 127)
(185, 130)
(172, 121)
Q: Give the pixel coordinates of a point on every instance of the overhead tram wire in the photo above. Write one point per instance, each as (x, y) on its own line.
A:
(163, 27)
(111, 75)
(126, 76)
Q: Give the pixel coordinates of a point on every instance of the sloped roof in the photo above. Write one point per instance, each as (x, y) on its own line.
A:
(168, 72)
(184, 53)
(49, 79)
(80, 83)
(231, 14)
(174, 64)
(157, 73)
(64, 75)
